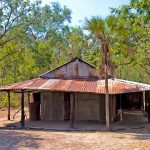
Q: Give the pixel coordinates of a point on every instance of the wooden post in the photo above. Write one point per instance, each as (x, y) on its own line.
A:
(148, 107)
(144, 100)
(121, 111)
(107, 112)
(148, 111)
(72, 109)
(8, 105)
(22, 109)
(28, 97)
(107, 103)
(29, 103)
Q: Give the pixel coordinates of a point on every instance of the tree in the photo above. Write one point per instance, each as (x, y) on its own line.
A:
(29, 36)
(13, 14)
(98, 29)
(132, 35)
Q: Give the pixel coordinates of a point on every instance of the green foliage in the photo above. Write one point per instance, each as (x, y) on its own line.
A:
(15, 103)
(36, 38)
(132, 33)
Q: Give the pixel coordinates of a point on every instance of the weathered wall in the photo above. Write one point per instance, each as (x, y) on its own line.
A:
(147, 100)
(112, 107)
(89, 107)
(52, 105)
(73, 69)
(102, 107)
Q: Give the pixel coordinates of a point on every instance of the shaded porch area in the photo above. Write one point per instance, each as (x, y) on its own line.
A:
(132, 120)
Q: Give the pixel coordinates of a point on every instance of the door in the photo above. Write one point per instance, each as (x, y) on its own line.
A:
(66, 106)
(37, 97)
(35, 107)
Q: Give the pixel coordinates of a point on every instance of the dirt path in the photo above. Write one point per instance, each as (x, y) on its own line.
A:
(131, 139)
(27, 139)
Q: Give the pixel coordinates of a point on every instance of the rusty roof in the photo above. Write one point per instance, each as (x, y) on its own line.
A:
(116, 86)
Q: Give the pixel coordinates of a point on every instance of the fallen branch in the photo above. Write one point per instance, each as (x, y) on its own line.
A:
(18, 112)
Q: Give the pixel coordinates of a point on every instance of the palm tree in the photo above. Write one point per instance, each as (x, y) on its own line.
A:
(99, 30)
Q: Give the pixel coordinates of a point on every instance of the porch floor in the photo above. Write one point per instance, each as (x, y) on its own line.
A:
(131, 120)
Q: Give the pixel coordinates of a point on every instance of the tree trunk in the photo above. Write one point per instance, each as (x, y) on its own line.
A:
(105, 50)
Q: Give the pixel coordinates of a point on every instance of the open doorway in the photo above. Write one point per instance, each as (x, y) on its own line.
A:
(66, 106)
(129, 101)
(37, 97)
(35, 107)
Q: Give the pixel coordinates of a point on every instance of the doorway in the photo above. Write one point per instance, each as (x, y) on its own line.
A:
(130, 101)
(35, 106)
(37, 97)
(66, 106)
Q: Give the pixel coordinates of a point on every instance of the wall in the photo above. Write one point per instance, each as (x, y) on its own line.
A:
(52, 106)
(89, 107)
(113, 113)
(147, 100)
(73, 69)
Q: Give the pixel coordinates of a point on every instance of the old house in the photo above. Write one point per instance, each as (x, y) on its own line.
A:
(76, 91)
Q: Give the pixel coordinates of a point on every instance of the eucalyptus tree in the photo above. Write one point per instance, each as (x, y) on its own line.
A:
(29, 36)
(132, 33)
(47, 26)
(13, 14)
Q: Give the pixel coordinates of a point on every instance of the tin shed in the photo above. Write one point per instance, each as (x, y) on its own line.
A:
(76, 91)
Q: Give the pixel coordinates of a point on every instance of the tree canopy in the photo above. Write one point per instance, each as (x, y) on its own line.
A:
(36, 38)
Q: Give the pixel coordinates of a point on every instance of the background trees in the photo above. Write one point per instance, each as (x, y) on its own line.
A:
(36, 38)
(131, 40)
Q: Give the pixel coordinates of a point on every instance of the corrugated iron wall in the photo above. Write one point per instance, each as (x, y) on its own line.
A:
(52, 106)
(88, 106)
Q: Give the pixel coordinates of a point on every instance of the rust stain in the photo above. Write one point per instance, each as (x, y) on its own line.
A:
(86, 86)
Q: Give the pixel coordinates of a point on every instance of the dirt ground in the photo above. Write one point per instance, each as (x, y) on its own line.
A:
(129, 139)
(29, 139)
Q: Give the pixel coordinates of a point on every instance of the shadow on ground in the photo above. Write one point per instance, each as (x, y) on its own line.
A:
(135, 125)
(14, 140)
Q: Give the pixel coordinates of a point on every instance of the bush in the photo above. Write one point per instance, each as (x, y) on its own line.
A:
(14, 102)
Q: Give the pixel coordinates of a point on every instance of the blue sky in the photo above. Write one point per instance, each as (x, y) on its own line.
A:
(87, 8)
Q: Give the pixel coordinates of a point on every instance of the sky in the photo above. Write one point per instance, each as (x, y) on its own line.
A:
(87, 8)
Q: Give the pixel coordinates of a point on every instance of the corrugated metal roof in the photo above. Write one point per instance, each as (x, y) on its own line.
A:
(116, 86)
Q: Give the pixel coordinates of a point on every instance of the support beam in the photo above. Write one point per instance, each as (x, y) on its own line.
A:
(121, 111)
(8, 105)
(29, 103)
(148, 107)
(144, 104)
(107, 112)
(72, 109)
(148, 112)
(28, 97)
(22, 110)
(107, 102)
